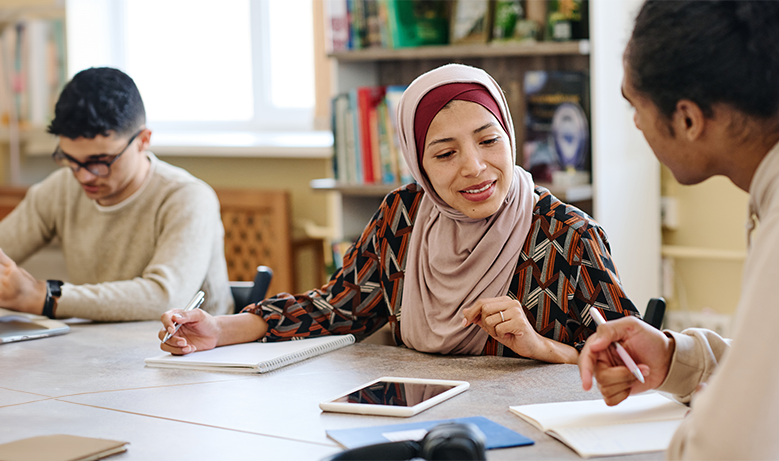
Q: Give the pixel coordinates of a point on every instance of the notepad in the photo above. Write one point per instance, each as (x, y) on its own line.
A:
(641, 423)
(253, 357)
(497, 436)
(60, 447)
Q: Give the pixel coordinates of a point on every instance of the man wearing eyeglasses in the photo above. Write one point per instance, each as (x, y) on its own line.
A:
(139, 236)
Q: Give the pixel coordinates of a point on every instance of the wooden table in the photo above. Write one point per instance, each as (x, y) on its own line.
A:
(92, 382)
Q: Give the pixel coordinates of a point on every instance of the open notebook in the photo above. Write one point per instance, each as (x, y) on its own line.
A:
(253, 357)
(639, 424)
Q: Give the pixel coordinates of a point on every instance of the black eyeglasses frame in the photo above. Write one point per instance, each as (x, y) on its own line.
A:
(65, 160)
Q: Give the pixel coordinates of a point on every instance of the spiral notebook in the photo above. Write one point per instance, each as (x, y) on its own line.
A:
(253, 357)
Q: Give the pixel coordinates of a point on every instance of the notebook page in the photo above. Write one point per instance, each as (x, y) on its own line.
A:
(585, 413)
(618, 439)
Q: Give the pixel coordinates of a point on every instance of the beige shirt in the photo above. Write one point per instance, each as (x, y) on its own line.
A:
(737, 415)
(133, 260)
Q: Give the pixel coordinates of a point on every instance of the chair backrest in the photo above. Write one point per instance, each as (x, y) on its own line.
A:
(258, 232)
(262, 281)
(245, 293)
(655, 311)
(10, 196)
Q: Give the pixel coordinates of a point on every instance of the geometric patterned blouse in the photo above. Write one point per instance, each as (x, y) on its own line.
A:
(564, 268)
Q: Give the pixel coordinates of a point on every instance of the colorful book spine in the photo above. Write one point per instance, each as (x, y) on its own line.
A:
(366, 141)
(337, 25)
(32, 72)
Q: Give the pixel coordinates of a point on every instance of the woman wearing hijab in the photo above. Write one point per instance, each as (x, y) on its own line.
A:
(471, 259)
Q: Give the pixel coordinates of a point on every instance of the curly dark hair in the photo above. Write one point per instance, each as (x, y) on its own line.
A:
(709, 52)
(98, 101)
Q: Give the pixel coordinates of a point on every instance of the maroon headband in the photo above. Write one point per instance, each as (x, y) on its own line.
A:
(438, 97)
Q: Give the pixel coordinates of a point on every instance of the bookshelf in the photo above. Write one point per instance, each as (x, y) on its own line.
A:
(32, 73)
(465, 51)
(507, 63)
(625, 188)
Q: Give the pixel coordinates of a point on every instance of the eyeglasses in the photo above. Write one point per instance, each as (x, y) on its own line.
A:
(100, 168)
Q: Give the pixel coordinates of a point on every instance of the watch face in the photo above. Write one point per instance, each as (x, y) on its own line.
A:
(55, 287)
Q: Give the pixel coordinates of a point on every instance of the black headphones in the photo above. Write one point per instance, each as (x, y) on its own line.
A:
(448, 441)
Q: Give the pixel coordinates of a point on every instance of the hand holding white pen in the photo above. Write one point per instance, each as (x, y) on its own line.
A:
(623, 354)
(194, 304)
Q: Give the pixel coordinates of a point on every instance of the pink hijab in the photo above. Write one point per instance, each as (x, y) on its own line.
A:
(455, 260)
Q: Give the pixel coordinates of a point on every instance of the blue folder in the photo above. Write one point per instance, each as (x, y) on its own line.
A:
(497, 436)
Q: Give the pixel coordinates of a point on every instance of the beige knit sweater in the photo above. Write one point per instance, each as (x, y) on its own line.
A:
(736, 416)
(133, 260)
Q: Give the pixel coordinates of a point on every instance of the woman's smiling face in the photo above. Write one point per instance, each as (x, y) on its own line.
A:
(467, 159)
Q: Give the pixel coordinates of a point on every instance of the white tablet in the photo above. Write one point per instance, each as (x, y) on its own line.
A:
(21, 327)
(392, 396)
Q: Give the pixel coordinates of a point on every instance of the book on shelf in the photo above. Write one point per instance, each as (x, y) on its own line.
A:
(32, 71)
(394, 24)
(394, 93)
(511, 24)
(557, 133)
(359, 24)
(412, 23)
(367, 100)
(337, 26)
(640, 424)
(567, 20)
(366, 142)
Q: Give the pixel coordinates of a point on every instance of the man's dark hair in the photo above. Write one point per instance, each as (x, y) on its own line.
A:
(98, 101)
(709, 52)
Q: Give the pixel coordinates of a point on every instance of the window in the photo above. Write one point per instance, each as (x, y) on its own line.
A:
(202, 65)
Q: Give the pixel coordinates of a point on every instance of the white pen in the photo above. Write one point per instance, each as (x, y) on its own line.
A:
(623, 354)
(194, 304)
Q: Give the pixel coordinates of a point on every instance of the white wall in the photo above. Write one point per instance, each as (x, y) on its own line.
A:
(625, 172)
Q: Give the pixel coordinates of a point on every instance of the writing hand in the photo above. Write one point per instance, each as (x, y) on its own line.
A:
(651, 349)
(199, 331)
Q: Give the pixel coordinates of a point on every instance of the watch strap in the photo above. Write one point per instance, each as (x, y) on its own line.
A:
(53, 291)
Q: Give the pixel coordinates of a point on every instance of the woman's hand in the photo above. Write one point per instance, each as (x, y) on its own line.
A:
(199, 331)
(504, 319)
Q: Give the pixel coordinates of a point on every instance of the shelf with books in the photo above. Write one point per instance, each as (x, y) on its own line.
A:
(32, 74)
(369, 67)
(623, 192)
(490, 50)
(359, 190)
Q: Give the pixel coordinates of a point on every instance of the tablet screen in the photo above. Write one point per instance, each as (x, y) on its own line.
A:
(18, 326)
(395, 394)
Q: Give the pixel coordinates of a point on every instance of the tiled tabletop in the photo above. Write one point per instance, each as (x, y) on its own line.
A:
(92, 382)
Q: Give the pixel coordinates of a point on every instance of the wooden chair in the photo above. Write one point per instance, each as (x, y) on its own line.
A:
(10, 196)
(258, 232)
